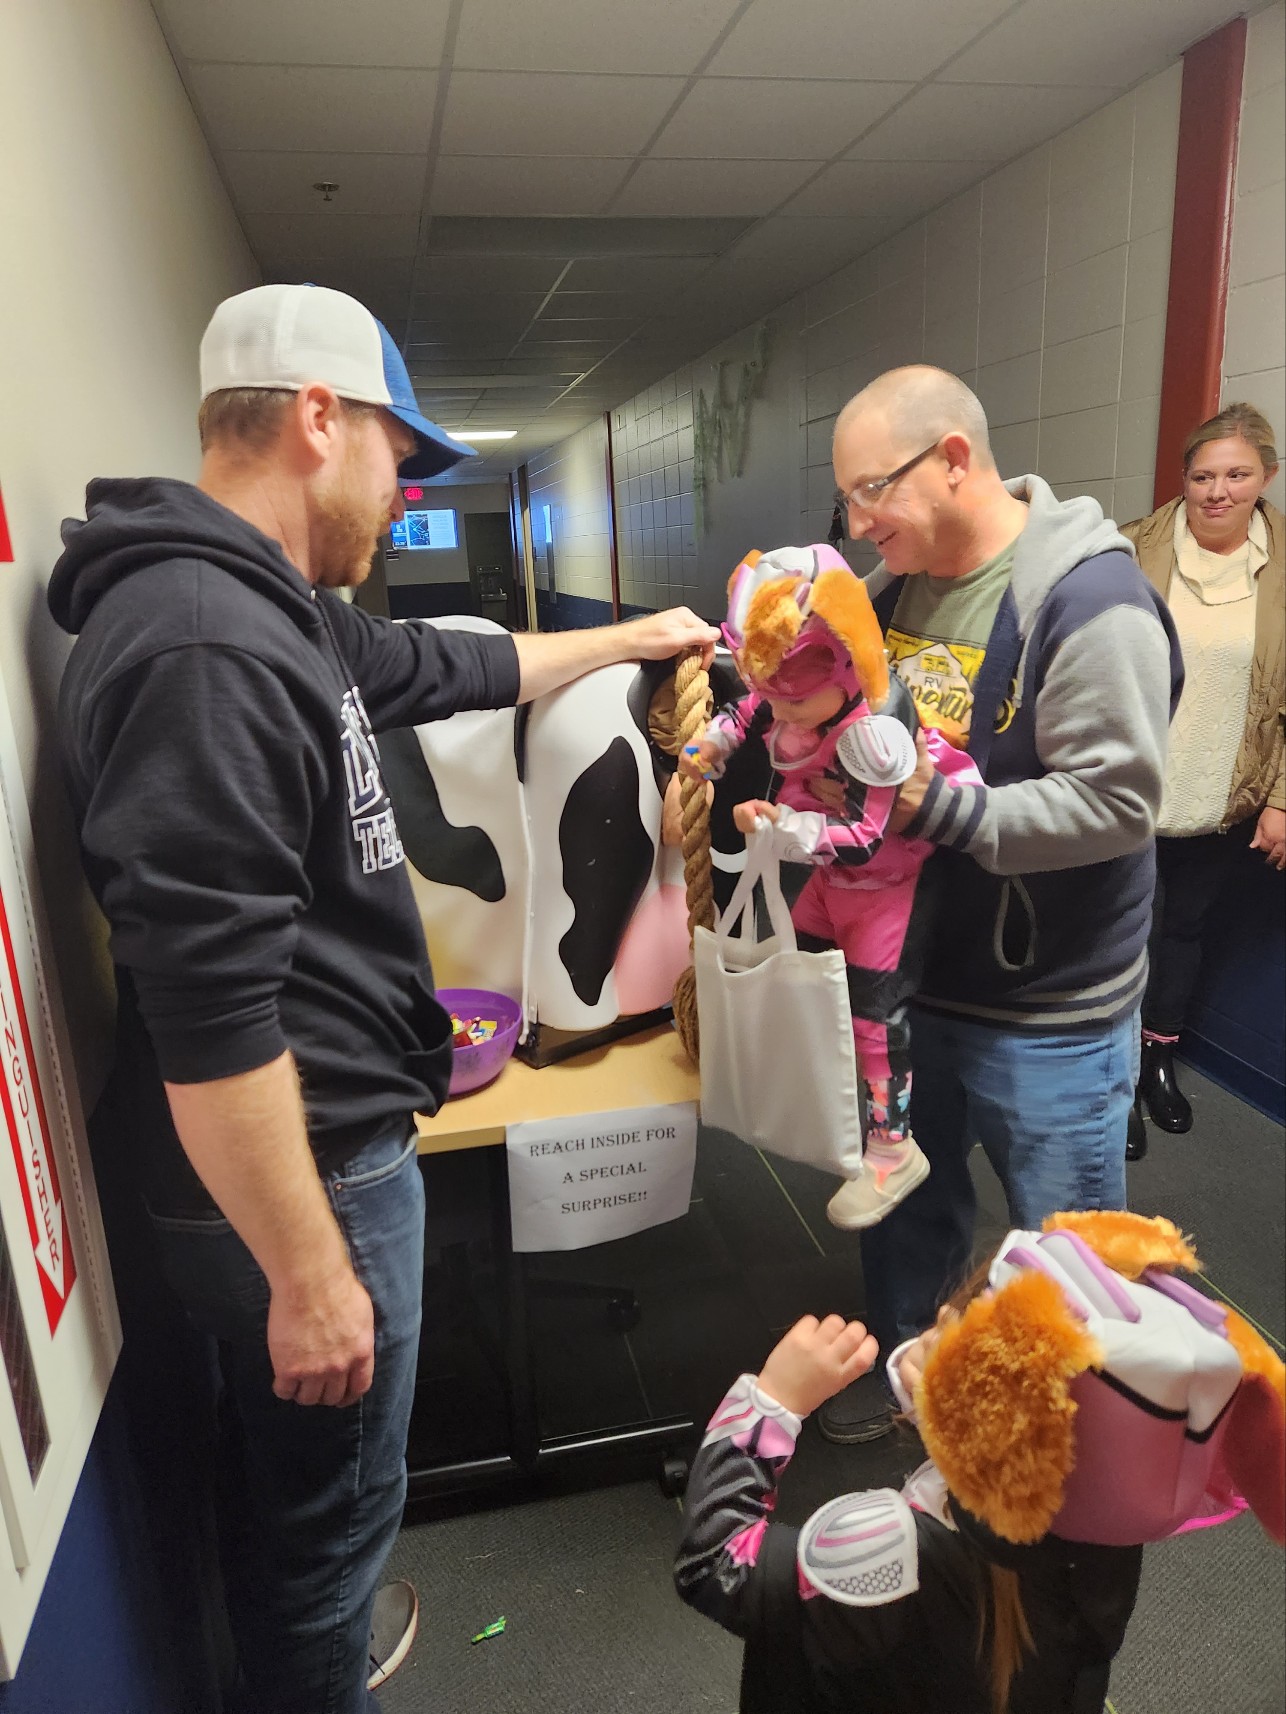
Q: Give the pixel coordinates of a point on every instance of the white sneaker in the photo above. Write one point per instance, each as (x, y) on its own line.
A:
(394, 1619)
(865, 1200)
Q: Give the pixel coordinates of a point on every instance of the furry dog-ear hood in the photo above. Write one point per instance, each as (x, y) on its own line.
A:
(1092, 1395)
(781, 600)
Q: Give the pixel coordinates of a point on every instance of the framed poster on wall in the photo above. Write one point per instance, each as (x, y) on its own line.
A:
(59, 1332)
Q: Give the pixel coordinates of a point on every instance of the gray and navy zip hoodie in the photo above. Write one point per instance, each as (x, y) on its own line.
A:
(217, 720)
(1048, 867)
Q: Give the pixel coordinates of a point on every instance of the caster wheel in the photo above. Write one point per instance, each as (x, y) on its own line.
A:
(623, 1314)
(673, 1477)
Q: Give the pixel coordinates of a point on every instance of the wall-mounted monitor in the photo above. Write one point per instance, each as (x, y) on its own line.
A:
(419, 530)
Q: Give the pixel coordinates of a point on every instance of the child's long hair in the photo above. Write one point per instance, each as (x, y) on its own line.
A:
(1002, 1607)
(1010, 1633)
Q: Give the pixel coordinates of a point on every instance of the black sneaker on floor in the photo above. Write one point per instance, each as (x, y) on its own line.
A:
(862, 1412)
(394, 1619)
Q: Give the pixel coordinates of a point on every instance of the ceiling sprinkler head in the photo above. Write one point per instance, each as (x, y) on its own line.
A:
(328, 187)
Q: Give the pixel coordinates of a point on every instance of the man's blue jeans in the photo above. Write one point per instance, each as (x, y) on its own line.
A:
(310, 1497)
(1051, 1111)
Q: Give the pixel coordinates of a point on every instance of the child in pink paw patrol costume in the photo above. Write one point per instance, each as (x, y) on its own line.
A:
(841, 736)
(1077, 1399)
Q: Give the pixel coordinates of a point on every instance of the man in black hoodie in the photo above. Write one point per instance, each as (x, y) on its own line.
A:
(277, 1027)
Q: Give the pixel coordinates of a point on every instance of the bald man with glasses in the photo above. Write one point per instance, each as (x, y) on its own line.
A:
(1025, 631)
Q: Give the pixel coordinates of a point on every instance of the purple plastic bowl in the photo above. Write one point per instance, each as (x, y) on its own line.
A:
(473, 1066)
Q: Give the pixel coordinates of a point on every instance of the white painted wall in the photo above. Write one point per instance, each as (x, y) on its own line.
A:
(1254, 359)
(663, 559)
(571, 480)
(1043, 286)
(118, 242)
(447, 565)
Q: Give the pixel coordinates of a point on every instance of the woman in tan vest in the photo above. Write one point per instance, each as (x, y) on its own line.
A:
(1216, 554)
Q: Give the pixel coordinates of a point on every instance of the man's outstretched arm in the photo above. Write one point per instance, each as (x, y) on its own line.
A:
(548, 660)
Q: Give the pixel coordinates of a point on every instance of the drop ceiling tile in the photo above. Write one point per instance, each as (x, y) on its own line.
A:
(471, 354)
(437, 310)
(632, 273)
(578, 354)
(977, 122)
(793, 119)
(496, 389)
(618, 305)
(437, 405)
(540, 184)
(710, 187)
(888, 189)
(608, 328)
(605, 238)
(347, 237)
(281, 182)
(387, 278)
(799, 249)
(303, 108)
(308, 32)
(539, 113)
(575, 35)
(1095, 41)
(475, 275)
(851, 38)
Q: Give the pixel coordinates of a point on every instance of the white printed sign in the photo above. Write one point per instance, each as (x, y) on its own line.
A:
(596, 1176)
(23, 1103)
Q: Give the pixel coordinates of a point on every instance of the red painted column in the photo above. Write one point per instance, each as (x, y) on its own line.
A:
(1209, 118)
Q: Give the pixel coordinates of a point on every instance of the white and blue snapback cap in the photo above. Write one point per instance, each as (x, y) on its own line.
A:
(286, 336)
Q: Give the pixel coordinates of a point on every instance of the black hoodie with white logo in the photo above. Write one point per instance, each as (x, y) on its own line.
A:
(218, 719)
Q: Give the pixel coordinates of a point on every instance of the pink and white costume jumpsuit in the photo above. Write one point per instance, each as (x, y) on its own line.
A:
(864, 895)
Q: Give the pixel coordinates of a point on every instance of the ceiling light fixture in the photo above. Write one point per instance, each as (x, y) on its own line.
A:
(328, 187)
(481, 434)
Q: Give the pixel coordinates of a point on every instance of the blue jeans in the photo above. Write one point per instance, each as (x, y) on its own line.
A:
(309, 1497)
(1051, 1111)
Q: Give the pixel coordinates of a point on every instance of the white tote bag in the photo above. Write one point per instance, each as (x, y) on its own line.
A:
(778, 1068)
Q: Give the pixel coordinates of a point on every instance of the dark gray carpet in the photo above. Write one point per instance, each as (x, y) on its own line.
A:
(584, 1580)
(594, 1626)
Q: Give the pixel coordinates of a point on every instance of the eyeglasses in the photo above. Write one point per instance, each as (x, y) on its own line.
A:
(865, 494)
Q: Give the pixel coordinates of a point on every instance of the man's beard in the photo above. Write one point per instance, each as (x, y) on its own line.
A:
(348, 528)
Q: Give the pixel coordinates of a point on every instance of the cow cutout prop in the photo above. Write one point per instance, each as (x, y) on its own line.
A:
(535, 838)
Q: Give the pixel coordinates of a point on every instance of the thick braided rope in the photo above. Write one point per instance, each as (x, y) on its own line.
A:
(692, 715)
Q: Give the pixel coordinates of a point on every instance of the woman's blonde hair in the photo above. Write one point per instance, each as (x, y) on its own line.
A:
(1234, 420)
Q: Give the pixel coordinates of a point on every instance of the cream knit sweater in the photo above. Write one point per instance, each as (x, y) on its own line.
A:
(1212, 602)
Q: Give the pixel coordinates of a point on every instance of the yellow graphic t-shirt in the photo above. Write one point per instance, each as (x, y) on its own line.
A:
(937, 640)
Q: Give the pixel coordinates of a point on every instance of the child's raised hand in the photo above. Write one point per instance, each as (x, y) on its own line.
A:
(816, 1360)
(911, 1365)
(745, 815)
(696, 760)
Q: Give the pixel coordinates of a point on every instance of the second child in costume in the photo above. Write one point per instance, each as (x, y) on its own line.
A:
(1085, 1401)
(841, 735)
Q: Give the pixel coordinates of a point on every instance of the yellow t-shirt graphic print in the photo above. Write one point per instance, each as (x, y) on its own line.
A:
(940, 677)
(937, 640)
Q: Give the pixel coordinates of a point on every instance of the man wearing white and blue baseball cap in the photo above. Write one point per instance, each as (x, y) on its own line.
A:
(277, 1027)
(283, 337)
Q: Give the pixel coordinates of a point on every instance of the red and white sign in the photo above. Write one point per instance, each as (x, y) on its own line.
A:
(24, 1111)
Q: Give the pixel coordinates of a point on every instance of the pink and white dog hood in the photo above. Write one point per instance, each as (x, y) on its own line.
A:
(1091, 1395)
(799, 620)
